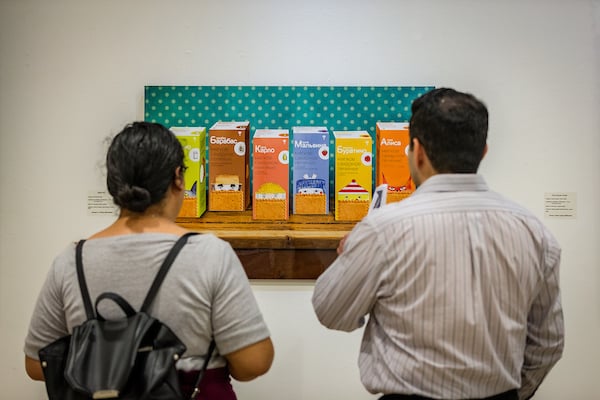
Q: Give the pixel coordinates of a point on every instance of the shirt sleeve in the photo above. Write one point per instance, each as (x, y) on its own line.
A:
(545, 329)
(347, 290)
(48, 321)
(236, 318)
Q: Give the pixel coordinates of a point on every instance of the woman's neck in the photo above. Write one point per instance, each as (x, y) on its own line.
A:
(130, 222)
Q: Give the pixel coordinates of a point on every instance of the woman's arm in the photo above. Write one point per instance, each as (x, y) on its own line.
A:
(34, 369)
(251, 361)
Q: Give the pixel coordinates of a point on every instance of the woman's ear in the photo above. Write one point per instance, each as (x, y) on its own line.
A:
(179, 181)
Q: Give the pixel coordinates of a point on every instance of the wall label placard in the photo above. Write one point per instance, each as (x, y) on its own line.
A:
(100, 202)
(560, 205)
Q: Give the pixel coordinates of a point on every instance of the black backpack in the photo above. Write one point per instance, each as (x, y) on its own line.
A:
(128, 358)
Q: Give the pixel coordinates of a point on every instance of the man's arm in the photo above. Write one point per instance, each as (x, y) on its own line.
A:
(347, 290)
(545, 332)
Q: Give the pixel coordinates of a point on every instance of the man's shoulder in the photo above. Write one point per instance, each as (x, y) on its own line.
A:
(392, 214)
(430, 204)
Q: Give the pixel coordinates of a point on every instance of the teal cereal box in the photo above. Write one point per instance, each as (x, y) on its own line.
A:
(270, 174)
(193, 142)
(353, 174)
(310, 176)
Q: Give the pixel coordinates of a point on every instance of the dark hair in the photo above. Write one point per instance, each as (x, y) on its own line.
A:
(141, 163)
(452, 127)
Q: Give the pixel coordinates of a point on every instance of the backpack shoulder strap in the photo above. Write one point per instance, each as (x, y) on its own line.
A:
(162, 272)
(211, 348)
(87, 303)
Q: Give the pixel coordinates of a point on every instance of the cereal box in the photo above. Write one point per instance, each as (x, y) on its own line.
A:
(193, 141)
(353, 174)
(310, 173)
(391, 166)
(270, 174)
(228, 166)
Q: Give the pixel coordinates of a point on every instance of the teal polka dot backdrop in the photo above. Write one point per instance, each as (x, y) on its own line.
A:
(339, 108)
(281, 107)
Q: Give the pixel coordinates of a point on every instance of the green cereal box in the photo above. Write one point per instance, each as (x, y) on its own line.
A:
(193, 141)
(353, 174)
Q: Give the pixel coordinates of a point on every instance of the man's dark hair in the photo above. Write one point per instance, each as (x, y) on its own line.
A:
(452, 128)
(141, 163)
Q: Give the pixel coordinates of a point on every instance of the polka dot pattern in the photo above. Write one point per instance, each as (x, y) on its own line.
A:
(343, 108)
(339, 108)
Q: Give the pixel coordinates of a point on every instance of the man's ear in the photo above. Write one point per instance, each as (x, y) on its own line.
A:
(422, 161)
(485, 149)
(418, 152)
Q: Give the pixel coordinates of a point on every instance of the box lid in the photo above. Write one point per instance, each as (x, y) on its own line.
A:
(271, 133)
(230, 125)
(310, 129)
(392, 126)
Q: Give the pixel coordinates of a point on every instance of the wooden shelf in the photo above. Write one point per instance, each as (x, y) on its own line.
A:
(299, 248)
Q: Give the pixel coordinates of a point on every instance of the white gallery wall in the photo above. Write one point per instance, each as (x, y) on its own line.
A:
(73, 73)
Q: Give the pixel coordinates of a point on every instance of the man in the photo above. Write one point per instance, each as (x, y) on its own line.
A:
(460, 284)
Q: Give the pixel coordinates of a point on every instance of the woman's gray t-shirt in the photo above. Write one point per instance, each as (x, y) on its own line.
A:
(205, 293)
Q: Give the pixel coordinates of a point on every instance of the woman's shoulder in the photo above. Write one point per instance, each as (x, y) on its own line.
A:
(66, 255)
(204, 236)
(145, 245)
(208, 242)
(63, 264)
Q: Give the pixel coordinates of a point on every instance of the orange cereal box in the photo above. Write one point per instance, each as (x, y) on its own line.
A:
(270, 174)
(228, 166)
(193, 142)
(353, 174)
(391, 165)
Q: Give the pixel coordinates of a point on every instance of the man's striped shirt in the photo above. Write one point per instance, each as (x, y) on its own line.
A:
(461, 287)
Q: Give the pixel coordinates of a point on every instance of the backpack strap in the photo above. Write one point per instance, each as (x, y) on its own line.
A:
(160, 276)
(211, 348)
(164, 268)
(121, 302)
(87, 303)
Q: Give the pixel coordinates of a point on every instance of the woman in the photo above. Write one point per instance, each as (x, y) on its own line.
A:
(205, 294)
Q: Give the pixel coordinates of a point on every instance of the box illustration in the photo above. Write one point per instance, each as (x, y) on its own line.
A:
(391, 166)
(193, 142)
(228, 166)
(353, 174)
(270, 174)
(310, 177)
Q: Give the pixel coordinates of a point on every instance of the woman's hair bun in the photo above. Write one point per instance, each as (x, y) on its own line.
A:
(133, 198)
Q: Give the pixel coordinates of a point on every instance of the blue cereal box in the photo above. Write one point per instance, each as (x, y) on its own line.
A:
(310, 178)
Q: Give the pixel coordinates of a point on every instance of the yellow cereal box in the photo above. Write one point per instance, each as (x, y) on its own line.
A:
(193, 141)
(228, 166)
(270, 174)
(391, 166)
(353, 174)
